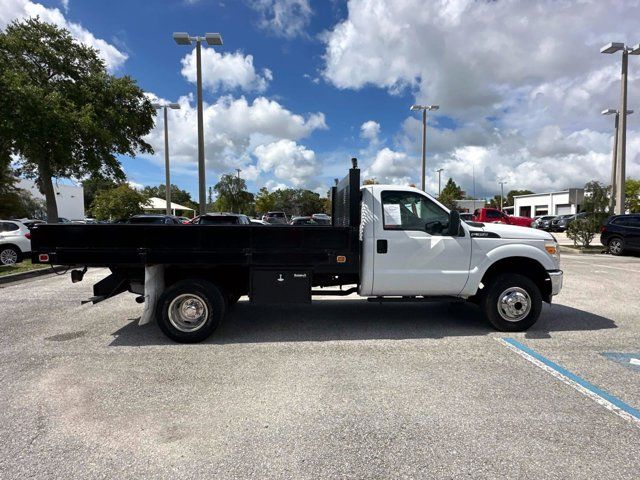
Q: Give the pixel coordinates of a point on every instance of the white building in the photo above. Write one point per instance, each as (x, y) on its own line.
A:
(553, 203)
(69, 198)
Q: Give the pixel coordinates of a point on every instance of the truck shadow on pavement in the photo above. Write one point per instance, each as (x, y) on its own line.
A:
(355, 319)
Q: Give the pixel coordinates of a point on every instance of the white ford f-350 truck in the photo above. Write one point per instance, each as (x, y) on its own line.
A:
(387, 243)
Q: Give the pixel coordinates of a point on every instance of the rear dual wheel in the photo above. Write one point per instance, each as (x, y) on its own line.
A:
(190, 310)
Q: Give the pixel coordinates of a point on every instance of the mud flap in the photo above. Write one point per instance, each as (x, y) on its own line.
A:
(153, 288)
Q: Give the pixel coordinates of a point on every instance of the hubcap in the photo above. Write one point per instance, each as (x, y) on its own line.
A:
(514, 304)
(615, 246)
(188, 312)
(8, 256)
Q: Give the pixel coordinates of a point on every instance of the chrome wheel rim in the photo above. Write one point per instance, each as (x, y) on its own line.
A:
(8, 256)
(514, 304)
(188, 312)
(615, 246)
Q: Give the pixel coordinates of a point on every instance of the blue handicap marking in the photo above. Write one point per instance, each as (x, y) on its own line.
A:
(629, 360)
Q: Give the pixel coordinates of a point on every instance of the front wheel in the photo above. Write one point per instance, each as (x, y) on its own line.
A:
(190, 310)
(512, 302)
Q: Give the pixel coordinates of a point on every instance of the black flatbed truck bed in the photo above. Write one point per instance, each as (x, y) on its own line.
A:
(249, 260)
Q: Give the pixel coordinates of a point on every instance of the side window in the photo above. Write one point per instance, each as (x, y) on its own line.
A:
(493, 214)
(412, 211)
(9, 227)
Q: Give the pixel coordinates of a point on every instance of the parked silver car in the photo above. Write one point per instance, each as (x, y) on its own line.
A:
(15, 242)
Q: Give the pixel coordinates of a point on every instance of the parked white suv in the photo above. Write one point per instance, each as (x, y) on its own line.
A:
(15, 242)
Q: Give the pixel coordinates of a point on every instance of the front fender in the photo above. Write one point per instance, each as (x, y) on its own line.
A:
(500, 253)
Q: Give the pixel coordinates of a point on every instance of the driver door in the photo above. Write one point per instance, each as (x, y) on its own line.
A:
(413, 254)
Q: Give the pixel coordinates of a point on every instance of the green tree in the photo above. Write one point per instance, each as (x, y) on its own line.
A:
(94, 185)
(596, 201)
(632, 195)
(450, 193)
(265, 201)
(232, 194)
(515, 193)
(298, 201)
(118, 203)
(63, 113)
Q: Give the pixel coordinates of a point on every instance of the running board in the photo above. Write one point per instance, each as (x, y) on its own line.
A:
(413, 299)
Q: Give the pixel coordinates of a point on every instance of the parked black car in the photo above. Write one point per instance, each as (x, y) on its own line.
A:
(561, 222)
(221, 218)
(154, 219)
(275, 217)
(309, 221)
(621, 233)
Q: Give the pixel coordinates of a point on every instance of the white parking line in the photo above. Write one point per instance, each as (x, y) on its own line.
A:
(634, 361)
(606, 266)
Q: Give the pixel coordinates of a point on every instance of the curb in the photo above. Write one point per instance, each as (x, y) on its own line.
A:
(579, 251)
(15, 277)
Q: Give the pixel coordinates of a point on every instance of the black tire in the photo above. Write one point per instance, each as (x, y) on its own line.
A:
(511, 291)
(186, 298)
(616, 246)
(9, 255)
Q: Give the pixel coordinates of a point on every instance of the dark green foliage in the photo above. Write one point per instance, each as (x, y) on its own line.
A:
(61, 112)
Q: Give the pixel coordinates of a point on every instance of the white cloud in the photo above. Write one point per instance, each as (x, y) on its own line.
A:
(65, 5)
(521, 84)
(370, 131)
(226, 71)
(20, 9)
(284, 18)
(288, 161)
(234, 129)
(392, 167)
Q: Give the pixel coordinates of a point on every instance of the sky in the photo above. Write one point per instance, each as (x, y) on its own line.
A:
(301, 86)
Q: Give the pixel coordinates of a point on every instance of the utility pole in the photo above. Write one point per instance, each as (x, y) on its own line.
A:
(622, 120)
(424, 109)
(502, 183)
(183, 38)
(614, 155)
(439, 183)
(167, 192)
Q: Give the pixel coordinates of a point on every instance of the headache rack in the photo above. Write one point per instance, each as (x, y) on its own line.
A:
(345, 199)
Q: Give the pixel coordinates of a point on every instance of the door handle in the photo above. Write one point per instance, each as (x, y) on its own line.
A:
(382, 246)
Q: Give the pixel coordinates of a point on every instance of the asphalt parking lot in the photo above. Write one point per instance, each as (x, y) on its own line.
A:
(342, 388)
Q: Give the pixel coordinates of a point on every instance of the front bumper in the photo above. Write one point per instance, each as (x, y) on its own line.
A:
(556, 281)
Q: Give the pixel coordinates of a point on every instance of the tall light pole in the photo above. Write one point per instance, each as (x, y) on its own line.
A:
(611, 111)
(622, 120)
(440, 170)
(167, 190)
(502, 184)
(183, 38)
(424, 109)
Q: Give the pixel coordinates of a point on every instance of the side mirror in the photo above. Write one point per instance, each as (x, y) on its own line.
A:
(454, 223)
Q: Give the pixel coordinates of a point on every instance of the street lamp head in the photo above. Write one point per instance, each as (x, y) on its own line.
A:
(175, 106)
(156, 105)
(609, 111)
(182, 38)
(629, 112)
(213, 38)
(612, 47)
(433, 107)
(416, 107)
(635, 50)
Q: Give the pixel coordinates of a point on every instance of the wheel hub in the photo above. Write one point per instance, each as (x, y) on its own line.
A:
(514, 304)
(188, 312)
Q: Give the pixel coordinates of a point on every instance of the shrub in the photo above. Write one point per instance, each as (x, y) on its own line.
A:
(582, 230)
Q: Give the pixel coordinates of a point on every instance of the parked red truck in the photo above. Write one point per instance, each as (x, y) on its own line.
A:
(493, 215)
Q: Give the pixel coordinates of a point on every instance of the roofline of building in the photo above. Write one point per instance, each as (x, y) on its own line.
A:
(546, 193)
